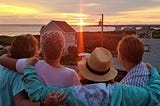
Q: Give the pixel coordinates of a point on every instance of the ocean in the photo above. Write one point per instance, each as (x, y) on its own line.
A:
(14, 29)
(19, 29)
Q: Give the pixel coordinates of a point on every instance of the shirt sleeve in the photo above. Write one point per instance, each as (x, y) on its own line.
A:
(36, 91)
(20, 65)
(142, 96)
(76, 79)
(16, 83)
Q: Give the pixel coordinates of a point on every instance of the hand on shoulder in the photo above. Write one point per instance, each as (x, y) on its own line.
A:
(31, 61)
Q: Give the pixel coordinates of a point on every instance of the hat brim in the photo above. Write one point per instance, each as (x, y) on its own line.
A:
(111, 74)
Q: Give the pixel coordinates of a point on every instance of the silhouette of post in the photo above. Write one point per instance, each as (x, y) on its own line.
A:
(102, 30)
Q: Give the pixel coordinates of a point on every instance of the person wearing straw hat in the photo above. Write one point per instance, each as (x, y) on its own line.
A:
(97, 67)
(98, 94)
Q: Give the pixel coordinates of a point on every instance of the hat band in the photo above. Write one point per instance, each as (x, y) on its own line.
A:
(96, 72)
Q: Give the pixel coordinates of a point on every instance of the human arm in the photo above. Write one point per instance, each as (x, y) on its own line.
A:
(90, 95)
(21, 99)
(37, 91)
(53, 99)
(13, 64)
(8, 62)
(143, 96)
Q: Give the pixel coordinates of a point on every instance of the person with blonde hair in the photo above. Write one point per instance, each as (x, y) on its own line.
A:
(50, 71)
(130, 54)
(11, 87)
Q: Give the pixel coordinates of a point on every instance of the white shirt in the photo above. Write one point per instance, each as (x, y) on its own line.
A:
(51, 76)
(137, 76)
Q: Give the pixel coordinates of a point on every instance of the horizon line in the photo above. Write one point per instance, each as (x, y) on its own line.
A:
(20, 24)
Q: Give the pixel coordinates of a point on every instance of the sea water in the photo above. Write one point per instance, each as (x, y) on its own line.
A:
(19, 29)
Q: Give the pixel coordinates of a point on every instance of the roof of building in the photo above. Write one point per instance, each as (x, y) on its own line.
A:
(64, 26)
(59, 24)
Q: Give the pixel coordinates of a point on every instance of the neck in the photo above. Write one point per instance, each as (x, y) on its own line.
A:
(129, 66)
(54, 63)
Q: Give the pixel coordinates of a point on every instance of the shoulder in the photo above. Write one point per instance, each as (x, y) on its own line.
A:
(8, 76)
(69, 69)
(6, 71)
(21, 60)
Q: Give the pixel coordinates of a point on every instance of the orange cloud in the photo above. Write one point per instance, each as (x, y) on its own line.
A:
(16, 10)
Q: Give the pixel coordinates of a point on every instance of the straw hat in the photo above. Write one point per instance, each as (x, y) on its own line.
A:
(98, 66)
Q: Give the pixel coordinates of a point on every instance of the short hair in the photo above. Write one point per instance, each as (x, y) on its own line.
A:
(131, 48)
(53, 44)
(24, 46)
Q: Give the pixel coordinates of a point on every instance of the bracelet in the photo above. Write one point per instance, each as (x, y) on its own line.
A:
(41, 103)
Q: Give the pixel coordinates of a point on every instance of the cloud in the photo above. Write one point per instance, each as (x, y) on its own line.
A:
(43, 1)
(115, 11)
(91, 4)
(156, 0)
(16, 10)
(146, 15)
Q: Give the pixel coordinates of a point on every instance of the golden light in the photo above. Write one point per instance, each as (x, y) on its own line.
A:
(17, 10)
(81, 23)
(80, 37)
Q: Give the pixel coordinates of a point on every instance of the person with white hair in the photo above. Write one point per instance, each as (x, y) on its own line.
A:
(50, 71)
(12, 91)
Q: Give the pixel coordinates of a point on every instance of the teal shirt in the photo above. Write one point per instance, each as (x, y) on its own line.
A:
(10, 85)
(122, 95)
(125, 95)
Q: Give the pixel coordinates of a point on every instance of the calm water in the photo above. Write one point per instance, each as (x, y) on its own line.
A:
(13, 29)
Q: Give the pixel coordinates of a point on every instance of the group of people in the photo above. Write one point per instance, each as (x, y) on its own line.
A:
(25, 80)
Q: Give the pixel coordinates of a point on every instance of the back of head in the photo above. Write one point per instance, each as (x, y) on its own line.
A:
(24, 46)
(131, 48)
(53, 44)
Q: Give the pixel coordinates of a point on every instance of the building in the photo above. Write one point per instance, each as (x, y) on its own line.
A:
(67, 30)
(152, 52)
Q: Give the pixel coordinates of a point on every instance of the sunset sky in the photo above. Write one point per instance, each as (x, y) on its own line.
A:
(80, 11)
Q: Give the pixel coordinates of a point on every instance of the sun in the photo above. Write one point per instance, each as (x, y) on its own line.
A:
(81, 22)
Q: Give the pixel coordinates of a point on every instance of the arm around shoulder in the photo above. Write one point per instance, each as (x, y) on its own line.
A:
(8, 62)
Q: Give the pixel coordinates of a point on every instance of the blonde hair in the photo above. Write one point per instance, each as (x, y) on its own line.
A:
(131, 48)
(24, 46)
(53, 44)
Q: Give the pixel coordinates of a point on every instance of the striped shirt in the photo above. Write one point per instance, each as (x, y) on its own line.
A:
(137, 76)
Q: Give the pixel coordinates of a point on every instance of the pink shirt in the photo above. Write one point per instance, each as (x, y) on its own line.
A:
(51, 76)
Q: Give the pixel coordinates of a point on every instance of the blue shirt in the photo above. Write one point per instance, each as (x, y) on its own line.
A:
(137, 76)
(10, 85)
